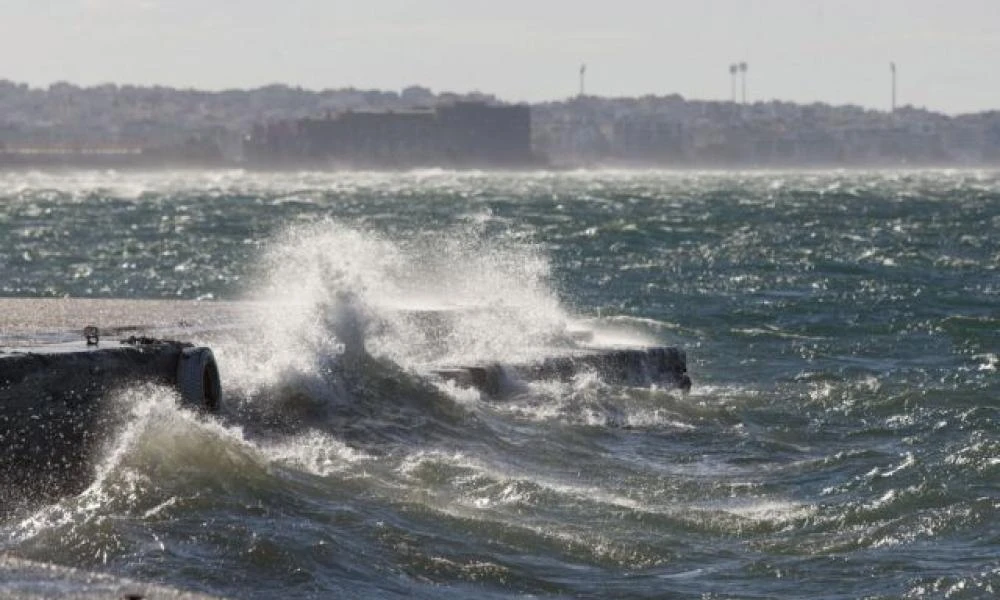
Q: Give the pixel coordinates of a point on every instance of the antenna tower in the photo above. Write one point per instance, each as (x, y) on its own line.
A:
(732, 80)
(892, 69)
(743, 72)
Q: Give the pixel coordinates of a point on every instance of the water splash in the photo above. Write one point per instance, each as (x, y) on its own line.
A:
(329, 292)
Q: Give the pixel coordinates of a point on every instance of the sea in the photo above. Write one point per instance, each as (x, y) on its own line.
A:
(841, 438)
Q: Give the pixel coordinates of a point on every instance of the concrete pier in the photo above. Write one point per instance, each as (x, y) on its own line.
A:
(54, 411)
(54, 389)
(628, 366)
(43, 321)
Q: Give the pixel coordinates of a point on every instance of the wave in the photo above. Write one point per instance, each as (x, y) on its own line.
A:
(422, 301)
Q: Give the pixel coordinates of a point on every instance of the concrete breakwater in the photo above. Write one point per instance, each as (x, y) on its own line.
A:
(54, 409)
(636, 366)
(56, 390)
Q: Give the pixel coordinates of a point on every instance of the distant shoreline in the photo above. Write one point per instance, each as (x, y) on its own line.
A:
(65, 168)
(167, 126)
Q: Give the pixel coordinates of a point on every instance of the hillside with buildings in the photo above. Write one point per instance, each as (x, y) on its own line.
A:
(653, 131)
(278, 125)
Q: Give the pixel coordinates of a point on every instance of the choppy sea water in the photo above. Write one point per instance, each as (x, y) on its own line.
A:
(841, 439)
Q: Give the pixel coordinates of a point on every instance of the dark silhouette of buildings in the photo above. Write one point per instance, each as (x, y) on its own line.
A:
(461, 134)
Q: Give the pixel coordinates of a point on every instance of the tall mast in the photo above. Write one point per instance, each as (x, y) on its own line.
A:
(892, 69)
(732, 80)
(743, 72)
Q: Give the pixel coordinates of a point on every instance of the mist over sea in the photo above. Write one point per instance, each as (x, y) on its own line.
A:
(841, 439)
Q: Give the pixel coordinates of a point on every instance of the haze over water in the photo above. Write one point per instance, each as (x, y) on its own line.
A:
(840, 440)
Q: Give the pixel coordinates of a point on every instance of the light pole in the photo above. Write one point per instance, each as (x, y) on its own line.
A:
(892, 69)
(743, 72)
(732, 79)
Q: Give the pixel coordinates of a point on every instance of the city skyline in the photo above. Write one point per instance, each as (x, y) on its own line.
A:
(797, 51)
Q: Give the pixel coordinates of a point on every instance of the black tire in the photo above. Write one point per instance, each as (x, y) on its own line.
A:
(198, 379)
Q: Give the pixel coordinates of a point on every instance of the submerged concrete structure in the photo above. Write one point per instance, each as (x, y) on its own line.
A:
(661, 366)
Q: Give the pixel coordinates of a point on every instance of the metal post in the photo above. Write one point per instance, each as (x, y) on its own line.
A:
(892, 69)
(743, 71)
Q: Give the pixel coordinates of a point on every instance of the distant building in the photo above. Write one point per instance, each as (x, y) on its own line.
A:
(461, 134)
(643, 138)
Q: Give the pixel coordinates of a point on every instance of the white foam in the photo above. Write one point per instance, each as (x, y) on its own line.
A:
(316, 453)
(454, 299)
(158, 440)
(768, 510)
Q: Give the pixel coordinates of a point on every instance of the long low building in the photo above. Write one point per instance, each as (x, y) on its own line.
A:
(463, 134)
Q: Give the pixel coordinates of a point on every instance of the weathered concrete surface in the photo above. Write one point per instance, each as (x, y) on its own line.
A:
(635, 366)
(54, 390)
(53, 411)
(43, 320)
(29, 580)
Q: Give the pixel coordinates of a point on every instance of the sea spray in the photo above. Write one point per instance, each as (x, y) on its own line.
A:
(328, 292)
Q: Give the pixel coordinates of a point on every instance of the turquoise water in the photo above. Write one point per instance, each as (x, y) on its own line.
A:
(840, 441)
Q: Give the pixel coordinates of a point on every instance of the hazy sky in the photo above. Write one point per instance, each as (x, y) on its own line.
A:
(835, 51)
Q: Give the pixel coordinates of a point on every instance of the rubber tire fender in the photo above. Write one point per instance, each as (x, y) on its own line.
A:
(198, 379)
